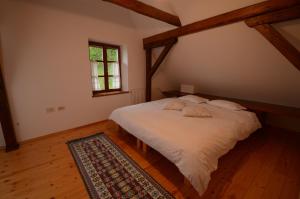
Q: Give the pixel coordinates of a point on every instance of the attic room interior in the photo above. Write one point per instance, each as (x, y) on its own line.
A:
(150, 99)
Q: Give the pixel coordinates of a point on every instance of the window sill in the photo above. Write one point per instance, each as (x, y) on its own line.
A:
(109, 93)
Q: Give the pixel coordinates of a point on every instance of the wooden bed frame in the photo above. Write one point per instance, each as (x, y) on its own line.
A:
(140, 145)
(261, 110)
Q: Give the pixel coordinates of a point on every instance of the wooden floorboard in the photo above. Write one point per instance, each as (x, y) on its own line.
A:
(266, 165)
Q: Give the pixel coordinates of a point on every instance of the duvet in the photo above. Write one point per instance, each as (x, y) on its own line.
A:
(194, 145)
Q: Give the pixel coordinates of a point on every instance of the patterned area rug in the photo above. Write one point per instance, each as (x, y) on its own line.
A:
(108, 172)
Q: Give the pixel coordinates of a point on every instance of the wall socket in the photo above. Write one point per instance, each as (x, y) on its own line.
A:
(50, 110)
(61, 108)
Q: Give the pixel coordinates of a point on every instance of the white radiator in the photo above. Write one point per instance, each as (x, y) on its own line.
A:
(137, 95)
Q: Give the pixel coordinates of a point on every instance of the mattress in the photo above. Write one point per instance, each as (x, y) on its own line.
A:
(194, 145)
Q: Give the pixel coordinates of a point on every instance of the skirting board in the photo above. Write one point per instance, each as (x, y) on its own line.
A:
(55, 133)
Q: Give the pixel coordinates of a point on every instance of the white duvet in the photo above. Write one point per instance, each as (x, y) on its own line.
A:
(194, 145)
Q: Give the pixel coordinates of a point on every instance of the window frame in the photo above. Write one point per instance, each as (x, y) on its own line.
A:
(105, 62)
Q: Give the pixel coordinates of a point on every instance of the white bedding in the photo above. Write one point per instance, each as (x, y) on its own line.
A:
(194, 145)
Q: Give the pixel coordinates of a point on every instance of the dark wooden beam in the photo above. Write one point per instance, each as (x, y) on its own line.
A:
(275, 17)
(223, 19)
(273, 36)
(148, 71)
(161, 57)
(162, 43)
(6, 119)
(147, 10)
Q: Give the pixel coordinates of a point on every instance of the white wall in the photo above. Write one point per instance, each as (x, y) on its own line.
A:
(160, 80)
(233, 60)
(45, 56)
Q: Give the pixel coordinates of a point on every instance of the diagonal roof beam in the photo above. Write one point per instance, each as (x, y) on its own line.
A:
(147, 10)
(275, 17)
(161, 57)
(278, 41)
(223, 19)
(263, 25)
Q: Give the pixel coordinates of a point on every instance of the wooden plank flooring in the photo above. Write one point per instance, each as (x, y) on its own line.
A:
(266, 165)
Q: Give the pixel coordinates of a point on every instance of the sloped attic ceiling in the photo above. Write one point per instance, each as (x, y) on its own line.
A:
(233, 60)
(89, 8)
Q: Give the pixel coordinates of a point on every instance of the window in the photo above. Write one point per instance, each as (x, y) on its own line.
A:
(105, 66)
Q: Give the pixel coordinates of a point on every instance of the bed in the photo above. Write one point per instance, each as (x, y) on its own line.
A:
(194, 145)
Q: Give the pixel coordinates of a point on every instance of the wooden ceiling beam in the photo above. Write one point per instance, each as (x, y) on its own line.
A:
(150, 70)
(223, 19)
(161, 57)
(287, 49)
(162, 43)
(147, 10)
(275, 17)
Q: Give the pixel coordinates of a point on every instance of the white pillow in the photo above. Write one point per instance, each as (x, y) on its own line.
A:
(227, 104)
(195, 111)
(194, 98)
(174, 105)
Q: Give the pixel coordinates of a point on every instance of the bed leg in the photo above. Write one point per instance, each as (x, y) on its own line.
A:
(186, 186)
(145, 148)
(186, 182)
(119, 129)
(138, 143)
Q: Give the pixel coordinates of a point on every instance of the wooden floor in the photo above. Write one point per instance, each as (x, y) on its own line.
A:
(266, 165)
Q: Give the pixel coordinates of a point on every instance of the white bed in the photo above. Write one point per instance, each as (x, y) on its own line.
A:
(194, 145)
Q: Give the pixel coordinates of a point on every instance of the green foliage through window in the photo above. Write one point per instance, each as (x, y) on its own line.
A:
(96, 53)
(100, 68)
(112, 54)
(105, 69)
(113, 69)
(101, 83)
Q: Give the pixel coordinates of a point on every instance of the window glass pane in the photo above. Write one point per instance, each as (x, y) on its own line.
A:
(94, 68)
(96, 53)
(112, 54)
(113, 69)
(114, 82)
(101, 83)
(97, 69)
(100, 68)
(98, 83)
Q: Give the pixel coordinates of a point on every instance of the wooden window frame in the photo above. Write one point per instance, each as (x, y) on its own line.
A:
(105, 62)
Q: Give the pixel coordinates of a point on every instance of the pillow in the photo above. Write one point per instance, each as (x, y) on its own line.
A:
(174, 105)
(195, 111)
(194, 98)
(227, 104)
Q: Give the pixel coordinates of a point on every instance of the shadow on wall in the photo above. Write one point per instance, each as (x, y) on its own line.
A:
(294, 39)
(157, 94)
(91, 8)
